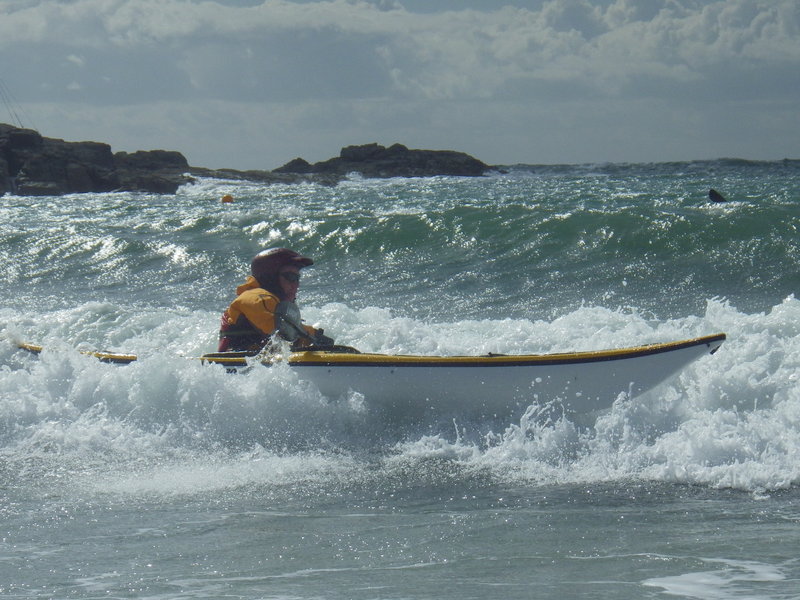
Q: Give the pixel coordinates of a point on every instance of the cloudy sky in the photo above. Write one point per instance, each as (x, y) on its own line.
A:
(254, 83)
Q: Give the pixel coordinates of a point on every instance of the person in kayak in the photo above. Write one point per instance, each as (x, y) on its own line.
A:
(265, 305)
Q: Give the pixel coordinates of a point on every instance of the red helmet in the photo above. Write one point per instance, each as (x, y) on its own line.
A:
(267, 263)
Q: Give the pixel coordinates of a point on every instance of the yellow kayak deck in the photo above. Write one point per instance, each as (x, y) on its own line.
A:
(352, 357)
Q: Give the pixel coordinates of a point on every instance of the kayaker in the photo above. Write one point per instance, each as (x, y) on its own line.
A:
(265, 305)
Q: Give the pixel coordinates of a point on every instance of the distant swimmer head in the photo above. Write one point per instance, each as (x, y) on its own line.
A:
(267, 263)
(715, 196)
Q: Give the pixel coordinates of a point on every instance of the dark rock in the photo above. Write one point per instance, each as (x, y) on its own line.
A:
(265, 177)
(151, 160)
(156, 171)
(58, 167)
(32, 165)
(298, 165)
(23, 139)
(374, 160)
(396, 150)
(4, 181)
(361, 153)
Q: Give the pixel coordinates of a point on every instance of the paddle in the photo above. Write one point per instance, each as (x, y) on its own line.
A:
(229, 358)
(287, 316)
(109, 357)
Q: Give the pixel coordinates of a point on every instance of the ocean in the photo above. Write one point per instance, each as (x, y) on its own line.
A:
(170, 479)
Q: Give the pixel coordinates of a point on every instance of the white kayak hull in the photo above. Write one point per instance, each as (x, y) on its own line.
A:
(497, 386)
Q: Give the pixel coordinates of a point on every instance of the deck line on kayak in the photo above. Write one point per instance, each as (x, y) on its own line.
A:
(327, 359)
(386, 360)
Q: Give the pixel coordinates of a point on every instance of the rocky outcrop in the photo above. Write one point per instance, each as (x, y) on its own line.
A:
(33, 165)
(157, 171)
(374, 160)
(265, 177)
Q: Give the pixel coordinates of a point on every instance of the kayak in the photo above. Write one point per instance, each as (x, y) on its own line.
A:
(499, 386)
(487, 386)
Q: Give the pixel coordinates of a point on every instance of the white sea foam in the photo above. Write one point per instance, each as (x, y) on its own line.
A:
(730, 420)
(727, 579)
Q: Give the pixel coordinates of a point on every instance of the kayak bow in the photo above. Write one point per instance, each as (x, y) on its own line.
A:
(499, 385)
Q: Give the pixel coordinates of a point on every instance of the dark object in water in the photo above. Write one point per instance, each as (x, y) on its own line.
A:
(715, 196)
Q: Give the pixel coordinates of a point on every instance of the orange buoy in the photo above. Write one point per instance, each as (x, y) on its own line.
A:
(227, 198)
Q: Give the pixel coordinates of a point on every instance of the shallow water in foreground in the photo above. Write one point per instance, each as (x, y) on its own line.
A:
(426, 539)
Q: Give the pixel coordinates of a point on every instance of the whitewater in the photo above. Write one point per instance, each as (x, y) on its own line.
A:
(170, 478)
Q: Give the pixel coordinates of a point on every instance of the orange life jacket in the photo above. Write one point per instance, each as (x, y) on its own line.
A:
(249, 322)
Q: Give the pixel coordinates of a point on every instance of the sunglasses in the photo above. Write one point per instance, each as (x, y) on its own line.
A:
(291, 276)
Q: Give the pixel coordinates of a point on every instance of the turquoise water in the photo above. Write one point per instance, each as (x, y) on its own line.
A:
(169, 479)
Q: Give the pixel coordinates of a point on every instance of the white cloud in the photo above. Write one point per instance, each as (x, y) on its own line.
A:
(75, 60)
(440, 55)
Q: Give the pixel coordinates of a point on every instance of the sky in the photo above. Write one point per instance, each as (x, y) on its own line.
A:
(252, 84)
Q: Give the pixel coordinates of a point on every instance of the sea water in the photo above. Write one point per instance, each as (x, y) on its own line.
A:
(167, 478)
